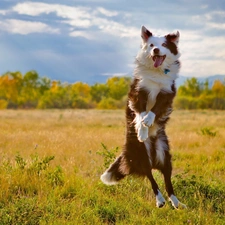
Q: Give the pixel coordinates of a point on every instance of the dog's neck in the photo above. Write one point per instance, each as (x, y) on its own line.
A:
(154, 80)
(158, 75)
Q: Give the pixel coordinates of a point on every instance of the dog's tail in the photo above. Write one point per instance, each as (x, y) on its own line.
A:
(113, 174)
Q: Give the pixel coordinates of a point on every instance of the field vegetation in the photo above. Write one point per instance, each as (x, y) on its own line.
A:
(51, 161)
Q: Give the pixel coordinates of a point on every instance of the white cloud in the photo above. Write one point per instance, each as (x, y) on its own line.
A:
(115, 74)
(218, 26)
(204, 6)
(79, 23)
(79, 17)
(25, 27)
(216, 13)
(106, 12)
(201, 55)
(202, 68)
(82, 34)
(210, 20)
(32, 8)
(75, 16)
(64, 11)
(3, 12)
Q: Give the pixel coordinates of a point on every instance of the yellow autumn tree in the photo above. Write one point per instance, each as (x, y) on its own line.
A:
(218, 89)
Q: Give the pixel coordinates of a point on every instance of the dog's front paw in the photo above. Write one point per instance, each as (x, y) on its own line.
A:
(148, 119)
(142, 133)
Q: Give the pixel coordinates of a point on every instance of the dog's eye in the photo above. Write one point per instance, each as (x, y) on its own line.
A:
(151, 45)
(164, 45)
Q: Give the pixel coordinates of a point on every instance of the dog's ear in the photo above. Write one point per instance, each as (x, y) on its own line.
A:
(173, 37)
(145, 33)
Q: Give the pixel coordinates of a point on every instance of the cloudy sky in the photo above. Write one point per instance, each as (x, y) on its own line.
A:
(90, 40)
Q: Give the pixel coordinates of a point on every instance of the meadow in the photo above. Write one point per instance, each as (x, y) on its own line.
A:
(51, 161)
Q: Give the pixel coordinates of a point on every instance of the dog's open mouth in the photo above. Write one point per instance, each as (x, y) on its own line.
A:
(158, 60)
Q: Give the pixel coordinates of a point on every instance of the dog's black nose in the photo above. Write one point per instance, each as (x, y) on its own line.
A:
(156, 50)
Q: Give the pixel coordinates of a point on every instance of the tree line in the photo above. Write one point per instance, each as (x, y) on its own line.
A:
(30, 91)
(196, 95)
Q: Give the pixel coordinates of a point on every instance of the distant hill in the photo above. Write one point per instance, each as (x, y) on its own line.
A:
(180, 81)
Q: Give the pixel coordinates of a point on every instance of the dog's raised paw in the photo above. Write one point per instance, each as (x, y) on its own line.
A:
(148, 119)
(142, 133)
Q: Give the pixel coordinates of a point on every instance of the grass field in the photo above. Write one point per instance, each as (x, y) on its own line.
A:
(51, 162)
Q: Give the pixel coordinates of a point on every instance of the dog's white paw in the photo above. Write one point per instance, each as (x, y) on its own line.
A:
(160, 201)
(142, 133)
(148, 119)
(176, 203)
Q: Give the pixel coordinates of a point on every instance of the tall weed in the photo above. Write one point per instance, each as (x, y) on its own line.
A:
(108, 155)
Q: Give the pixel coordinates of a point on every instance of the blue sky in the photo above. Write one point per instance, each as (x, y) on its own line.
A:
(91, 40)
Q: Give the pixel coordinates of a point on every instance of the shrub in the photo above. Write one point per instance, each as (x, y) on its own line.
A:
(3, 104)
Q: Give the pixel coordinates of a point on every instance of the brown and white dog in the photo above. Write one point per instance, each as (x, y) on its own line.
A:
(148, 108)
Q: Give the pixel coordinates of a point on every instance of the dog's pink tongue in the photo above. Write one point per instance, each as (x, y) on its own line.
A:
(158, 61)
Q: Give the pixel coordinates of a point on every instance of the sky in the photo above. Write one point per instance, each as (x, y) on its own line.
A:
(92, 40)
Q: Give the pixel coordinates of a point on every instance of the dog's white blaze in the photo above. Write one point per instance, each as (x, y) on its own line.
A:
(156, 82)
(106, 178)
(160, 201)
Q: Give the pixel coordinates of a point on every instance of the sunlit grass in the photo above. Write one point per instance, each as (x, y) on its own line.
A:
(51, 162)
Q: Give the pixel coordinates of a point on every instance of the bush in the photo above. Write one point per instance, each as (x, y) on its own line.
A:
(107, 103)
(3, 104)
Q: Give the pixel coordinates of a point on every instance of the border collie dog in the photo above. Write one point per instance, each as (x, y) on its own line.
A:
(148, 108)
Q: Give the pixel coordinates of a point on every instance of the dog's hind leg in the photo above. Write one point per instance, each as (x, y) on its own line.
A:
(113, 174)
(160, 201)
(167, 171)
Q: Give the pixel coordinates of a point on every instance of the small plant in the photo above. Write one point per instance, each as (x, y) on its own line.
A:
(20, 162)
(56, 177)
(108, 155)
(38, 164)
(208, 132)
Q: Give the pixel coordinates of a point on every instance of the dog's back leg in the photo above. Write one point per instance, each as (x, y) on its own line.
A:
(160, 201)
(113, 174)
(167, 171)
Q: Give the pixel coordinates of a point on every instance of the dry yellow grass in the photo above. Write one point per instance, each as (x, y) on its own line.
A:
(70, 135)
(74, 136)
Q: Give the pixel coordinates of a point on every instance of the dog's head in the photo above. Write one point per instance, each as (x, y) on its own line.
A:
(158, 52)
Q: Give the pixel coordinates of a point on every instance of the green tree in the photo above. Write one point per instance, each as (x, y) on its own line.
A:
(191, 87)
(118, 87)
(56, 97)
(99, 91)
(30, 91)
(80, 95)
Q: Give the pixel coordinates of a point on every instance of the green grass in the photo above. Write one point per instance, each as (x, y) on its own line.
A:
(51, 162)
